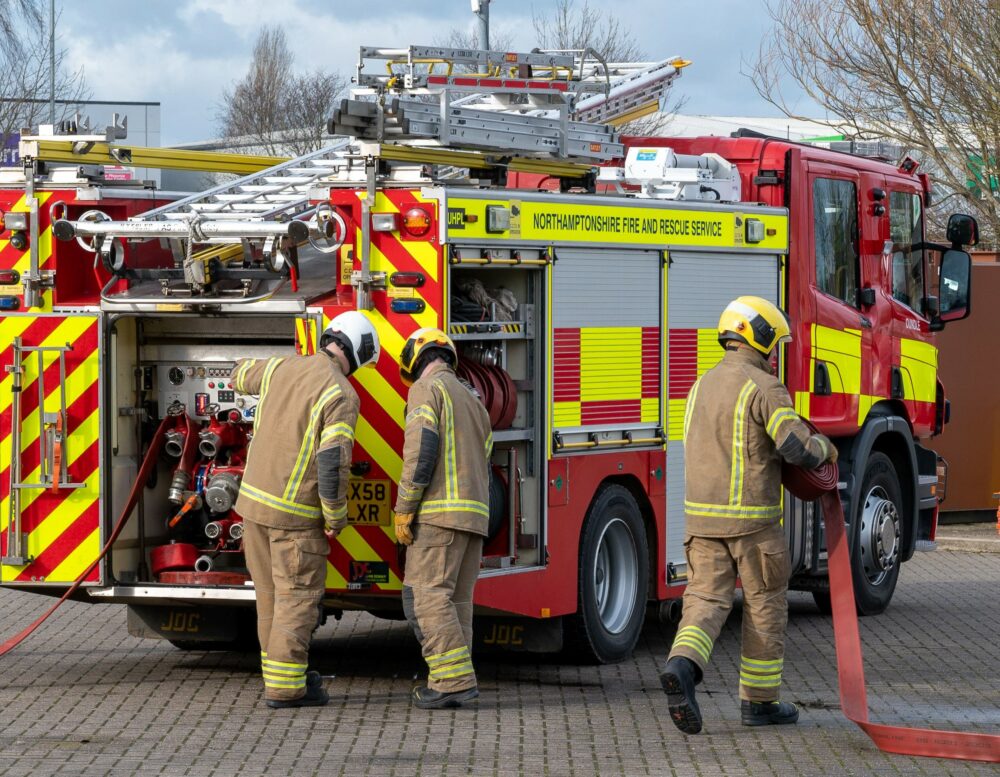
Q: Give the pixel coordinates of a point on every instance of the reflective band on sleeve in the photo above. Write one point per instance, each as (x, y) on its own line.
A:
(778, 417)
(340, 430)
(489, 445)
(241, 373)
(423, 411)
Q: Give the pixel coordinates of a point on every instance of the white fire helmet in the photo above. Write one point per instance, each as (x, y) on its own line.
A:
(356, 336)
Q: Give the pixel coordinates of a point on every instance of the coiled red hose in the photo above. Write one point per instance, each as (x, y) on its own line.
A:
(133, 498)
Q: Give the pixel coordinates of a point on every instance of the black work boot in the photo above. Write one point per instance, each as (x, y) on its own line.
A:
(768, 713)
(677, 679)
(427, 699)
(314, 696)
(314, 679)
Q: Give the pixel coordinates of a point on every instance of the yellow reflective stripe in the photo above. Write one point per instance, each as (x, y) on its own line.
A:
(739, 423)
(241, 373)
(270, 667)
(423, 411)
(335, 513)
(754, 682)
(489, 445)
(749, 512)
(290, 684)
(690, 406)
(406, 493)
(778, 417)
(448, 655)
(698, 634)
(287, 665)
(283, 505)
(754, 662)
(272, 365)
(340, 429)
(272, 677)
(458, 671)
(696, 646)
(696, 639)
(468, 506)
(450, 459)
(308, 442)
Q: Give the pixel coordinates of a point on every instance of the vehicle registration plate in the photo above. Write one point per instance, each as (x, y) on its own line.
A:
(368, 502)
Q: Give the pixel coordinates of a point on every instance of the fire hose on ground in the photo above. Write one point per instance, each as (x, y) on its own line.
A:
(133, 498)
(822, 484)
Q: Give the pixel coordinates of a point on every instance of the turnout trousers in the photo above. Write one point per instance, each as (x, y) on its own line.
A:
(762, 563)
(288, 567)
(441, 570)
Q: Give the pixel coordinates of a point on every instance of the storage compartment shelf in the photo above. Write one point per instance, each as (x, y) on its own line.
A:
(489, 330)
(511, 435)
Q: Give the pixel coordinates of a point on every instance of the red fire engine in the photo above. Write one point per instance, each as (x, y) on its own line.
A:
(582, 319)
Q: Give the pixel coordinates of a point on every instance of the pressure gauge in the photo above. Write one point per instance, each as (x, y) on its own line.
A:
(176, 376)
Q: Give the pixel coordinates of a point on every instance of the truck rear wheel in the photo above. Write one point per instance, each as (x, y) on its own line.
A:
(613, 574)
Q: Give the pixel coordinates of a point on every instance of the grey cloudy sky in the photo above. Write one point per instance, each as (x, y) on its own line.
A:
(183, 53)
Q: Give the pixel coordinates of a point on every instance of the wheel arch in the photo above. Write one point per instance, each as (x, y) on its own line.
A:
(891, 435)
(634, 487)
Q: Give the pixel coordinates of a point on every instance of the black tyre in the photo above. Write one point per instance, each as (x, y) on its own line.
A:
(876, 536)
(613, 579)
(823, 602)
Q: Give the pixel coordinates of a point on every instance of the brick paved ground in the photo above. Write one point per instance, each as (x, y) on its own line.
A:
(83, 698)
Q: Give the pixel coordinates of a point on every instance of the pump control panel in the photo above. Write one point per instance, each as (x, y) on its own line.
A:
(203, 388)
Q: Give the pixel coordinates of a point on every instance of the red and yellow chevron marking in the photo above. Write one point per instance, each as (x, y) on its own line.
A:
(379, 432)
(13, 259)
(63, 535)
(692, 353)
(606, 375)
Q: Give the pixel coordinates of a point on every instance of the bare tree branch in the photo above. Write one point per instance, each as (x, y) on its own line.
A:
(18, 17)
(24, 80)
(280, 111)
(925, 76)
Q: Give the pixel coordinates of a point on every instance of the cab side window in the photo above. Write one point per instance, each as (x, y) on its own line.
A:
(906, 230)
(835, 220)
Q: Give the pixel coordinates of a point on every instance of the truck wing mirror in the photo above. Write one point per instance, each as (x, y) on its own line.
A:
(963, 230)
(954, 292)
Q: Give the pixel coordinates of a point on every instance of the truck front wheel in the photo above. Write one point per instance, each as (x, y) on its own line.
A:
(876, 534)
(613, 576)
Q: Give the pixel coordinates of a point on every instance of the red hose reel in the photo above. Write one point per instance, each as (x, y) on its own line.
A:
(496, 389)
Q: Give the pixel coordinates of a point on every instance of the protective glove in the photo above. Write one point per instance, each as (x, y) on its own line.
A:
(403, 524)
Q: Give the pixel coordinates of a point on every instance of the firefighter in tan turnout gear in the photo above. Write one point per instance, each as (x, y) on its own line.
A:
(442, 513)
(739, 425)
(294, 494)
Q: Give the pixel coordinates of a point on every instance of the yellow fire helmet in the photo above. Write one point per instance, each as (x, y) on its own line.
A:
(423, 342)
(756, 322)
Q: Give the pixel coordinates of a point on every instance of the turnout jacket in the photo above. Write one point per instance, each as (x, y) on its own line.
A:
(446, 454)
(300, 456)
(739, 425)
